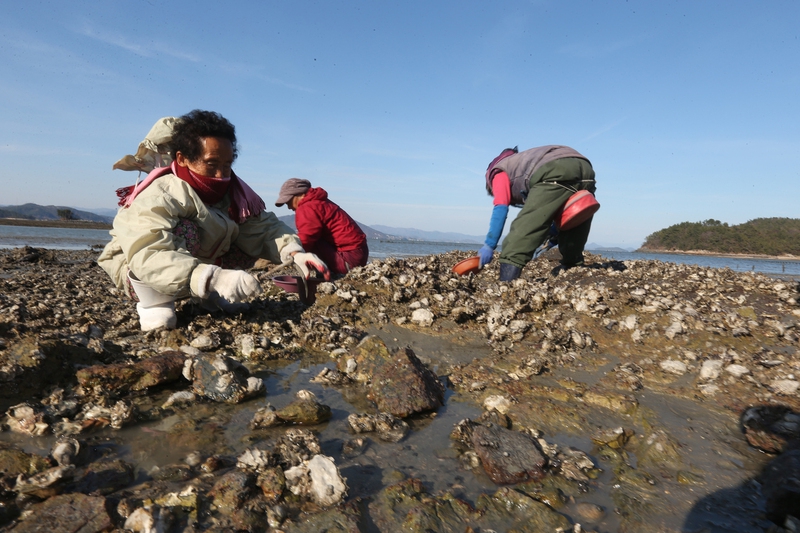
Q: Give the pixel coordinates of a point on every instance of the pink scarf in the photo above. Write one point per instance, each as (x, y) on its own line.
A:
(244, 201)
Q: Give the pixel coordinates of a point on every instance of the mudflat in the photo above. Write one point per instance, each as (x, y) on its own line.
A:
(621, 396)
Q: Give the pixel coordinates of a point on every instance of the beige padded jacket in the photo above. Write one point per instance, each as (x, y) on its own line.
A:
(142, 239)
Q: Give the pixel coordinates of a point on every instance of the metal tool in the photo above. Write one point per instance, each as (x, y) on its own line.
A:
(282, 265)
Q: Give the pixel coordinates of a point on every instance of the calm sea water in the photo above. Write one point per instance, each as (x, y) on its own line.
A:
(766, 266)
(79, 239)
(55, 238)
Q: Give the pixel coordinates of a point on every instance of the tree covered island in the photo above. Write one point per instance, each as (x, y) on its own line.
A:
(761, 236)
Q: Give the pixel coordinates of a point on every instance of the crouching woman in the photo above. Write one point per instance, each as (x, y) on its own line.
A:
(189, 229)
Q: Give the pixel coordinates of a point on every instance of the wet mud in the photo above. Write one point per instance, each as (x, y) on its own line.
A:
(623, 396)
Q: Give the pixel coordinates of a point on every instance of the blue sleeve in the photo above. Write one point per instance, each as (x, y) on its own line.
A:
(496, 225)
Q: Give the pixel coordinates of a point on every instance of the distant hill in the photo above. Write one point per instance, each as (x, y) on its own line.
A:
(371, 233)
(594, 247)
(6, 213)
(402, 234)
(103, 211)
(49, 212)
(436, 236)
(761, 236)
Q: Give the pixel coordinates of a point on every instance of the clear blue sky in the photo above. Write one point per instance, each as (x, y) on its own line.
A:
(688, 110)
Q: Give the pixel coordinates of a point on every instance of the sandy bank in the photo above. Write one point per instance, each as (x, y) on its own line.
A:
(77, 224)
(786, 257)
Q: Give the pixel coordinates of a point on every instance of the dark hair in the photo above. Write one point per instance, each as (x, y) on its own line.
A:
(196, 125)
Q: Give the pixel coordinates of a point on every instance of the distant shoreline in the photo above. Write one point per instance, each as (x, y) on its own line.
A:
(88, 224)
(787, 257)
(75, 224)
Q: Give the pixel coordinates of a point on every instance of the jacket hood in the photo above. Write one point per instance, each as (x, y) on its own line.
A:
(490, 170)
(315, 194)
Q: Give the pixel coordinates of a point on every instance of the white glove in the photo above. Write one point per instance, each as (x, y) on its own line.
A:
(234, 285)
(306, 261)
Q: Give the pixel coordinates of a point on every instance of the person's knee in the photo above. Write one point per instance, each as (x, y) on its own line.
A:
(513, 260)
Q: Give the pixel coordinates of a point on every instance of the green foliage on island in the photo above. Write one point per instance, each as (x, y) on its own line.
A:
(761, 236)
(65, 214)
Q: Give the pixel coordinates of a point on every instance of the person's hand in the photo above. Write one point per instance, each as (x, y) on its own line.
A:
(306, 261)
(234, 285)
(486, 254)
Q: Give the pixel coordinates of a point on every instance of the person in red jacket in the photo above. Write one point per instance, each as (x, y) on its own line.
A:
(323, 227)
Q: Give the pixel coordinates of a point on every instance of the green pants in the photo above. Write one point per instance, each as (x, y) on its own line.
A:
(549, 187)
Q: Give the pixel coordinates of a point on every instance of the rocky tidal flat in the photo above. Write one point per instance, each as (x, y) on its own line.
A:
(622, 396)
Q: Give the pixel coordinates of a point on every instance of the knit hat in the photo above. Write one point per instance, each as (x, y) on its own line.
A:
(291, 188)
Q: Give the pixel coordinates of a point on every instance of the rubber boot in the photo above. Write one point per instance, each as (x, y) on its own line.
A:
(509, 272)
(156, 309)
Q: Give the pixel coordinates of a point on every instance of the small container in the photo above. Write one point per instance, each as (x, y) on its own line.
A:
(467, 266)
(578, 209)
(307, 291)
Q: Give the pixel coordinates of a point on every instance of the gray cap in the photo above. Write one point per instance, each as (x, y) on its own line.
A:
(292, 187)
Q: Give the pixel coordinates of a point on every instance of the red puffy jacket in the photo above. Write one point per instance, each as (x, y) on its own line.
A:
(319, 219)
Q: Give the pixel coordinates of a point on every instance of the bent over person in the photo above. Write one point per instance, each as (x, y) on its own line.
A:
(190, 228)
(540, 180)
(324, 227)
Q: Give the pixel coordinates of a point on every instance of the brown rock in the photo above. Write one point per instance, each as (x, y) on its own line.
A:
(66, 514)
(272, 482)
(222, 379)
(14, 461)
(104, 477)
(613, 438)
(122, 377)
(771, 428)
(305, 412)
(404, 386)
(232, 490)
(29, 366)
(371, 354)
(507, 456)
